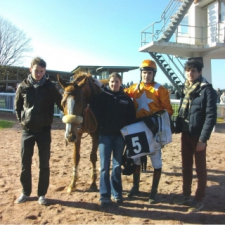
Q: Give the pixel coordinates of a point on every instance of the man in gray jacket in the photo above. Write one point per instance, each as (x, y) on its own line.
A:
(34, 105)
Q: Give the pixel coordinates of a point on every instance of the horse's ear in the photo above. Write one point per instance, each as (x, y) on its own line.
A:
(61, 82)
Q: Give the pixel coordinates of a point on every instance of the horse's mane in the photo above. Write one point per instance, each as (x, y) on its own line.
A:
(81, 77)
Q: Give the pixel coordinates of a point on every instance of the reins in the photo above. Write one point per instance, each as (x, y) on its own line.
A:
(88, 119)
(88, 115)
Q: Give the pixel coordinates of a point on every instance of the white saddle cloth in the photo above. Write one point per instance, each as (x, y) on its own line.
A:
(141, 141)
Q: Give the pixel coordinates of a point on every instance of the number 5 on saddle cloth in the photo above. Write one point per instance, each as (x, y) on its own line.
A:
(149, 135)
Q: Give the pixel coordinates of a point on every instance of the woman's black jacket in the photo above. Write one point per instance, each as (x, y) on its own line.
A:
(113, 111)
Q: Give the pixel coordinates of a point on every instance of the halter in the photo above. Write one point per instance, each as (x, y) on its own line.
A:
(74, 92)
(85, 107)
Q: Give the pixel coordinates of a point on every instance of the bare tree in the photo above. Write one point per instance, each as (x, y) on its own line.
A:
(13, 44)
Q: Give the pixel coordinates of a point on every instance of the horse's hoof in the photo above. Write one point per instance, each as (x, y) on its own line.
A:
(93, 188)
(70, 189)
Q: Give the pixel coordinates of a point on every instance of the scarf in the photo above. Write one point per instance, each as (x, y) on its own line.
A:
(189, 91)
(36, 83)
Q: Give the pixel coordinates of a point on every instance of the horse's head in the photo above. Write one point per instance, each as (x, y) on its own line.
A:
(77, 94)
(73, 106)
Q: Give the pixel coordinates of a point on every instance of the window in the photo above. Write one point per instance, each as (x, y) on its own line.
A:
(183, 28)
(222, 11)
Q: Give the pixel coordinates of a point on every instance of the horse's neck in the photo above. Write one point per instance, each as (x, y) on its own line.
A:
(91, 91)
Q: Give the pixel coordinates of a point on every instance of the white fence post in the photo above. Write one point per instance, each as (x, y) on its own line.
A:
(7, 104)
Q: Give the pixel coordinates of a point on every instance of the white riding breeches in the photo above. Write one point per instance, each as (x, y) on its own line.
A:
(155, 159)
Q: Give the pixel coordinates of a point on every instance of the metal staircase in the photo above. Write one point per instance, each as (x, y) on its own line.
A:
(169, 70)
(175, 20)
(163, 31)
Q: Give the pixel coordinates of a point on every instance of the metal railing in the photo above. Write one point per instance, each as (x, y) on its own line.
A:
(176, 103)
(7, 104)
(203, 35)
(200, 35)
(156, 29)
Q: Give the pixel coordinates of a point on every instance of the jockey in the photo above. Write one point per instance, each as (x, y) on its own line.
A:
(149, 97)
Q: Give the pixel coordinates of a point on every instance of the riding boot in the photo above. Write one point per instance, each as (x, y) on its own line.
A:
(136, 179)
(155, 183)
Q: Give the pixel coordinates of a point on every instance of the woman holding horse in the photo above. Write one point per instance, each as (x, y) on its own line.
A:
(113, 110)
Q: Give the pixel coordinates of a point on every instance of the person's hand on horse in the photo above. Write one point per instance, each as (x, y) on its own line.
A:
(97, 82)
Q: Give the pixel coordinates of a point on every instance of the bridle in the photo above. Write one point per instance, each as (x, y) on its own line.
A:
(71, 93)
(85, 107)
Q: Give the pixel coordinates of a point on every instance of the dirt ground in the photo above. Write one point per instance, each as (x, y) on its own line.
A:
(82, 207)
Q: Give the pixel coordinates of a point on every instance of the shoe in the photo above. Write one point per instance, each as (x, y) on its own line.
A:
(195, 206)
(134, 191)
(105, 202)
(183, 200)
(42, 200)
(118, 200)
(22, 198)
(152, 199)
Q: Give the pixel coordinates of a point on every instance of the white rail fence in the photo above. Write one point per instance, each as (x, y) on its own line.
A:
(7, 104)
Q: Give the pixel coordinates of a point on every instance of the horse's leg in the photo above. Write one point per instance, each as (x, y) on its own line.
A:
(76, 160)
(93, 158)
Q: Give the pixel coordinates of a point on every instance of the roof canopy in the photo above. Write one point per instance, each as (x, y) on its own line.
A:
(99, 69)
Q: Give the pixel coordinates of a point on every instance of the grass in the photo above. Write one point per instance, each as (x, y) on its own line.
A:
(220, 120)
(5, 124)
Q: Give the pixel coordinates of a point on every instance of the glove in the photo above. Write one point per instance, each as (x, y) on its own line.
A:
(97, 82)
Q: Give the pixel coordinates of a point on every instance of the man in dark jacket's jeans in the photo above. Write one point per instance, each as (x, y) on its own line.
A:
(196, 119)
(34, 106)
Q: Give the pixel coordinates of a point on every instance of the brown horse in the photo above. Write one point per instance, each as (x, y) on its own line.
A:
(79, 119)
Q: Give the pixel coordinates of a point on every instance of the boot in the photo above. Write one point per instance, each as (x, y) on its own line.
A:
(155, 183)
(136, 179)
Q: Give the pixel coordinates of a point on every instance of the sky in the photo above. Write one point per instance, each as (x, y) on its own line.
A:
(69, 33)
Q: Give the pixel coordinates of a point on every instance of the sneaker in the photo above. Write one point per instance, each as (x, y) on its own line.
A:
(118, 200)
(22, 198)
(183, 200)
(42, 200)
(195, 206)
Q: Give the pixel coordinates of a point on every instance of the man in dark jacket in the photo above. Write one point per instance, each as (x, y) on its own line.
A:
(196, 119)
(34, 106)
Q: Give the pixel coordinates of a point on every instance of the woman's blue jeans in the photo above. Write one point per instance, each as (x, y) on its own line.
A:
(109, 144)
